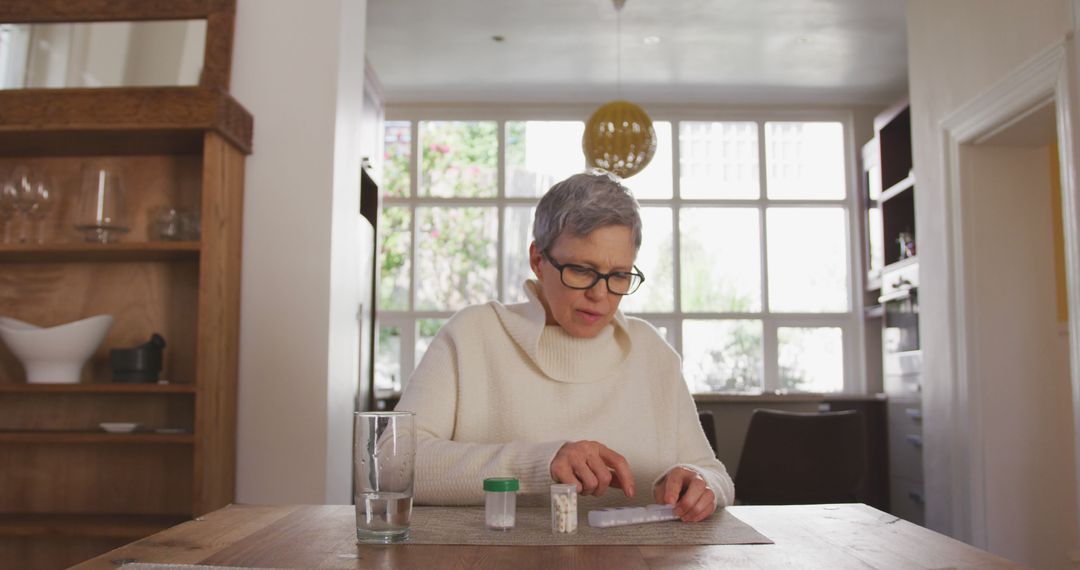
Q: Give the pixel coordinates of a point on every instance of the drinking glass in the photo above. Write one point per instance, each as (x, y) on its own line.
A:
(101, 216)
(43, 198)
(383, 461)
(32, 196)
(165, 224)
(25, 187)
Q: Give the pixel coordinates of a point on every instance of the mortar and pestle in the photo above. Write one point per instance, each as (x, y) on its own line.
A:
(138, 364)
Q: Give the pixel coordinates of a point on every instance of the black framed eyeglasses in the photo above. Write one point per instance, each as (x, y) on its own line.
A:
(581, 277)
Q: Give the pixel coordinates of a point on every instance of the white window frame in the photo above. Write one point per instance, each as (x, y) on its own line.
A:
(851, 323)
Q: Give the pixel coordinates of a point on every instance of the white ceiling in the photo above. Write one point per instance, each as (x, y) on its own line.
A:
(744, 51)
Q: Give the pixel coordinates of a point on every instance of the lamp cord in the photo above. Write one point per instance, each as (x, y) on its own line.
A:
(618, 51)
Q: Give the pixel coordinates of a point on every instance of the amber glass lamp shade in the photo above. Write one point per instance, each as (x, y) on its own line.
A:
(619, 137)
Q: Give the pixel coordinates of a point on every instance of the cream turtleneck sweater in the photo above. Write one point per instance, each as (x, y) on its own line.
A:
(498, 392)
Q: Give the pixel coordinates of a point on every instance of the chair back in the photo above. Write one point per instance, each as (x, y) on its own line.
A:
(705, 417)
(802, 458)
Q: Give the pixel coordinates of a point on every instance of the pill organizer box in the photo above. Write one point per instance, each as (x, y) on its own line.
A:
(618, 516)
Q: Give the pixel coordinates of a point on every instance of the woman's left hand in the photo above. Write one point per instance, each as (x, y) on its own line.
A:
(685, 489)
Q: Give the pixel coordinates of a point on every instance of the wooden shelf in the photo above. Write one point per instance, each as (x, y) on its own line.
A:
(93, 437)
(78, 251)
(118, 121)
(897, 188)
(115, 388)
(873, 281)
(913, 260)
(86, 525)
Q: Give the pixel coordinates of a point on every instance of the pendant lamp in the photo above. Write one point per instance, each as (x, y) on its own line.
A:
(619, 136)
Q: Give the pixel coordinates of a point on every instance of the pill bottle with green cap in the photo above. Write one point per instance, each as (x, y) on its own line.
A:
(500, 502)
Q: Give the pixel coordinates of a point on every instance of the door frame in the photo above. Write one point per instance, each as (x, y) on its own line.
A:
(1049, 77)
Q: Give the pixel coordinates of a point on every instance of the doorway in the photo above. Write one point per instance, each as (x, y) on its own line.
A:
(1017, 339)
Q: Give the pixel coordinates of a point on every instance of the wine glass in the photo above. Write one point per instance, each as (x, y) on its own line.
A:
(25, 184)
(44, 198)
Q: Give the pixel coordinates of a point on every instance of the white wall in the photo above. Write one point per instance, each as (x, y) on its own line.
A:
(298, 67)
(956, 50)
(1021, 357)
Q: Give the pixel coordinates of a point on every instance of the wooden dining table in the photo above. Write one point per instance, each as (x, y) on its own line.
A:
(321, 536)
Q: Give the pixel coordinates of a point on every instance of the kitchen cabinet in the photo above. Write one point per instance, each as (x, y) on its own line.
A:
(888, 194)
(891, 287)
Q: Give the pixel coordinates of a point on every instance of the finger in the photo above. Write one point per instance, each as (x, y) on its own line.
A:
(658, 493)
(705, 506)
(563, 473)
(692, 490)
(603, 474)
(621, 467)
(672, 486)
(586, 476)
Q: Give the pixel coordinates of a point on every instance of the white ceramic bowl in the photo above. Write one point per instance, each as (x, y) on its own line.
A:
(54, 355)
(119, 427)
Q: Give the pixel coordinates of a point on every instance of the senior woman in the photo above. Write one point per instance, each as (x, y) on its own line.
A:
(564, 388)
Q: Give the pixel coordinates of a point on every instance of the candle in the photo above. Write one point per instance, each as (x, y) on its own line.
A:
(101, 196)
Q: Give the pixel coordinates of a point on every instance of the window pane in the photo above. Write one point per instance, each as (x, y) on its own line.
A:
(807, 259)
(720, 260)
(811, 359)
(388, 362)
(459, 159)
(805, 160)
(541, 153)
(517, 235)
(398, 151)
(654, 181)
(718, 160)
(425, 333)
(654, 259)
(722, 356)
(394, 254)
(455, 257)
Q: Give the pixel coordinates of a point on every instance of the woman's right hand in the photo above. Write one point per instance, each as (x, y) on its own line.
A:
(592, 467)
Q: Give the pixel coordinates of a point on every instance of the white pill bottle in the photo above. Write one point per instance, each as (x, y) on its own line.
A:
(563, 509)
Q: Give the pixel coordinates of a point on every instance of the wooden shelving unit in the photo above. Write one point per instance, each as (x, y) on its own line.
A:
(68, 490)
(60, 474)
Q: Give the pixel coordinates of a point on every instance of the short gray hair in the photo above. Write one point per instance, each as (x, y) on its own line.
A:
(583, 203)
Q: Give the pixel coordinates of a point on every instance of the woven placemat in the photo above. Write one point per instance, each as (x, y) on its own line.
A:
(457, 525)
(153, 566)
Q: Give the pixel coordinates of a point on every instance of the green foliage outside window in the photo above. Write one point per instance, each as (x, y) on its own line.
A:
(398, 150)
(394, 259)
(456, 257)
(458, 159)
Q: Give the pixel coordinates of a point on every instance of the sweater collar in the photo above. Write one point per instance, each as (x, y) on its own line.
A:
(558, 355)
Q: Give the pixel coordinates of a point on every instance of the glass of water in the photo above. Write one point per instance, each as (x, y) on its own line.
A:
(383, 462)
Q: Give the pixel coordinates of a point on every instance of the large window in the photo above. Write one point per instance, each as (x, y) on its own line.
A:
(747, 241)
